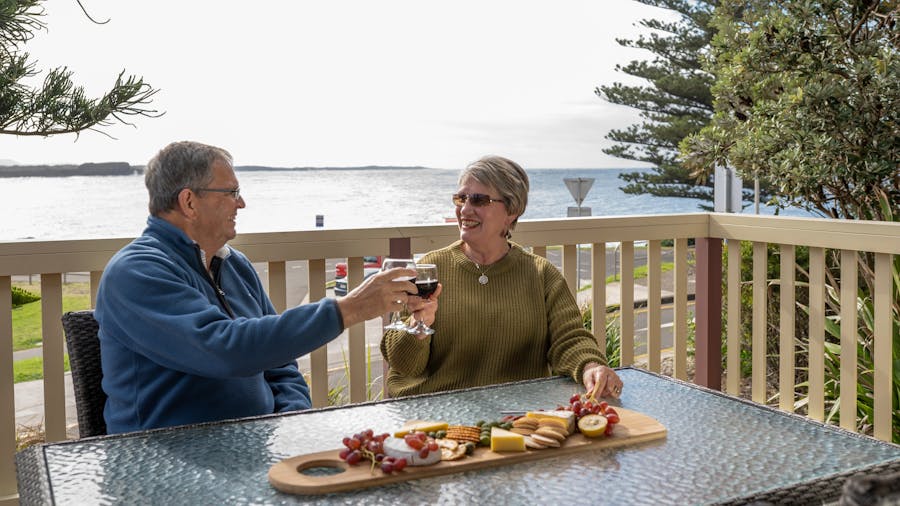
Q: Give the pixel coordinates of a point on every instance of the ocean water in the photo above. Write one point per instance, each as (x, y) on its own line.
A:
(89, 207)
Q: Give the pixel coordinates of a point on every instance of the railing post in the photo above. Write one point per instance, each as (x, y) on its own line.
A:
(7, 395)
(400, 247)
(708, 304)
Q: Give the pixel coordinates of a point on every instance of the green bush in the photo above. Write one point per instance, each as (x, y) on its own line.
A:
(613, 335)
(21, 297)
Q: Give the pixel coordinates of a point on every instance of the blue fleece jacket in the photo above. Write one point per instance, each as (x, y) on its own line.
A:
(175, 350)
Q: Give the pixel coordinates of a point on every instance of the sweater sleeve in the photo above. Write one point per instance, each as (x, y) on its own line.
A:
(405, 353)
(156, 312)
(289, 389)
(571, 345)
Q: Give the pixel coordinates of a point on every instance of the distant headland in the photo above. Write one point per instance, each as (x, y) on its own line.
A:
(125, 169)
(85, 169)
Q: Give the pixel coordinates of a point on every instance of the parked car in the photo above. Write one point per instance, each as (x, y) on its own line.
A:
(340, 268)
(371, 265)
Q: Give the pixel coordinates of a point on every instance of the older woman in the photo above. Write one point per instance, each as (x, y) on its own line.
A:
(505, 314)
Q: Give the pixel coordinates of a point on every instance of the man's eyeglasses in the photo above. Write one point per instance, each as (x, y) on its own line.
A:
(476, 199)
(235, 193)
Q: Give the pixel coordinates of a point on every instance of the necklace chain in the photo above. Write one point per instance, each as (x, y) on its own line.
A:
(483, 279)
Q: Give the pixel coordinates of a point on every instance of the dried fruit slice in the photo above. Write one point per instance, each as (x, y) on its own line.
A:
(592, 425)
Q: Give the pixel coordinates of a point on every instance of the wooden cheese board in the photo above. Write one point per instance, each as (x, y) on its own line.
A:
(293, 476)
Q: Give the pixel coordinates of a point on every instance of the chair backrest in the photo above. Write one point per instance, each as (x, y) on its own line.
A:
(84, 360)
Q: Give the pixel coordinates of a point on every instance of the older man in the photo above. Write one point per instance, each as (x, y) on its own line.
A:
(187, 333)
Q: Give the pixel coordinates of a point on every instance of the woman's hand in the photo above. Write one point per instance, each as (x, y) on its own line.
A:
(424, 309)
(602, 380)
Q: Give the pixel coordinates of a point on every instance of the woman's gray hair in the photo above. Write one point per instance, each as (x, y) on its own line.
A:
(180, 165)
(505, 176)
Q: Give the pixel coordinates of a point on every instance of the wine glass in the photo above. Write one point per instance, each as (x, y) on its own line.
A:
(427, 283)
(392, 263)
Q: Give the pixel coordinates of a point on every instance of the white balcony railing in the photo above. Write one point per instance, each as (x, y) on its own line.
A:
(52, 259)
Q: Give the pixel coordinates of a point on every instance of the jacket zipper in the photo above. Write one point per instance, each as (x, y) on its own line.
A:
(212, 276)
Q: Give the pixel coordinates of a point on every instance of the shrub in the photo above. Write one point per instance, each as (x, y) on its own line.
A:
(21, 297)
(613, 335)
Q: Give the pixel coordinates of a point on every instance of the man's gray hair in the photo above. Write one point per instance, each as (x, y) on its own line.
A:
(180, 165)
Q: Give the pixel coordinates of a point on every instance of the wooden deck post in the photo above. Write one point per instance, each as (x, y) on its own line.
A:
(708, 304)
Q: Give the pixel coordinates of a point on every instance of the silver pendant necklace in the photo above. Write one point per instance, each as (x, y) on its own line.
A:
(483, 279)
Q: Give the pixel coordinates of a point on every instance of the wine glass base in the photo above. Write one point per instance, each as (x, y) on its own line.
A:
(420, 328)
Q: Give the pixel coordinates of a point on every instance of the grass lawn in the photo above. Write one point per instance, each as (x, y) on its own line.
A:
(641, 272)
(31, 369)
(26, 320)
(26, 326)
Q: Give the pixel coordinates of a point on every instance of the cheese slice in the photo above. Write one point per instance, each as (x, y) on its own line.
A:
(420, 426)
(566, 417)
(506, 441)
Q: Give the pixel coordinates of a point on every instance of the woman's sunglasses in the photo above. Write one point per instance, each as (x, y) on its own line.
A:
(476, 199)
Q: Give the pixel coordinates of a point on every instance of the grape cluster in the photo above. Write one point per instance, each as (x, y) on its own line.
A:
(583, 405)
(367, 445)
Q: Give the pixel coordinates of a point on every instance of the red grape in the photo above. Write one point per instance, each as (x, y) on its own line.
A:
(354, 457)
(399, 464)
(413, 442)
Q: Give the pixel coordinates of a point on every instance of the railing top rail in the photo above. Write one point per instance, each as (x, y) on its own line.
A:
(27, 257)
(859, 235)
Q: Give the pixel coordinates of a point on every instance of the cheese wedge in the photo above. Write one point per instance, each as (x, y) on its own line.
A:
(420, 426)
(506, 441)
(566, 417)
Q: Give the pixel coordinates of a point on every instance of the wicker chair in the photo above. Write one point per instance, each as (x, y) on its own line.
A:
(84, 359)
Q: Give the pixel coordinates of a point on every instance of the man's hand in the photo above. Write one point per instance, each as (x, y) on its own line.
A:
(377, 295)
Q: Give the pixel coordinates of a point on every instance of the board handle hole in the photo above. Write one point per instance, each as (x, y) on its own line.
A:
(322, 468)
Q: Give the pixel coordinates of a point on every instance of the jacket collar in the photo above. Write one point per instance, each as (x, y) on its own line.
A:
(174, 236)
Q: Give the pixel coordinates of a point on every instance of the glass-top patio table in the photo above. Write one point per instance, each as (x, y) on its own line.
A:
(718, 449)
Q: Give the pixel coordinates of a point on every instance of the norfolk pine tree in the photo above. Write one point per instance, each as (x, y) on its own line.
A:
(58, 106)
(675, 103)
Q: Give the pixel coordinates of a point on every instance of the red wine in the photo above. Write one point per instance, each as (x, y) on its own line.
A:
(426, 287)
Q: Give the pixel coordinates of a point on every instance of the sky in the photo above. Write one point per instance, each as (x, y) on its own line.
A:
(341, 83)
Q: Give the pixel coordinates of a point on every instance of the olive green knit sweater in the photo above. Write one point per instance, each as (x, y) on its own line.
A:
(524, 323)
